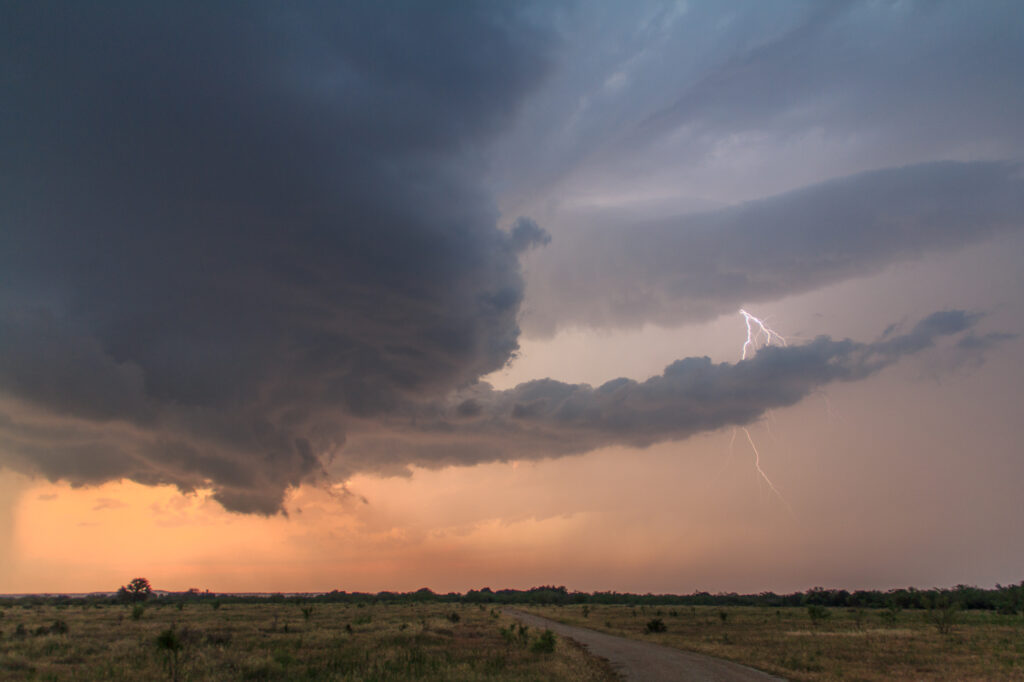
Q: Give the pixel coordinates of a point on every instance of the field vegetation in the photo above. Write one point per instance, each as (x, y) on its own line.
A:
(140, 633)
(278, 640)
(816, 642)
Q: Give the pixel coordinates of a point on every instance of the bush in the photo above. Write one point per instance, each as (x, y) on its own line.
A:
(655, 625)
(137, 611)
(545, 644)
(454, 617)
(943, 613)
(817, 613)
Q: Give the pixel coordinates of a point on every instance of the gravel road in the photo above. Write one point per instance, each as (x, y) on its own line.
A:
(646, 661)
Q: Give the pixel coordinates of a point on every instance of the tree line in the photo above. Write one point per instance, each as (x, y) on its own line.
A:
(1005, 599)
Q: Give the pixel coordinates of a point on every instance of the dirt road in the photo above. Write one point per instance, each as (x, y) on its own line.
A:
(636, 660)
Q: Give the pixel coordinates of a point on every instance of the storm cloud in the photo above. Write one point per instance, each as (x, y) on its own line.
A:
(246, 247)
(227, 229)
(692, 268)
(546, 418)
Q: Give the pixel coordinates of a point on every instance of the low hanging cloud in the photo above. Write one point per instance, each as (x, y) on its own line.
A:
(693, 268)
(547, 418)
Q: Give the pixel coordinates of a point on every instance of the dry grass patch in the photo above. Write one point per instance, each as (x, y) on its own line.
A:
(842, 645)
(280, 642)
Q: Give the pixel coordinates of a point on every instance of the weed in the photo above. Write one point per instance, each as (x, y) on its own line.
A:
(169, 642)
(655, 625)
(496, 664)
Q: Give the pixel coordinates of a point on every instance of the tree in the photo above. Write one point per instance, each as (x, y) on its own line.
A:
(137, 590)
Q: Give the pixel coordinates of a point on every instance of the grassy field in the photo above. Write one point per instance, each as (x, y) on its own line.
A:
(282, 642)
(837, 644)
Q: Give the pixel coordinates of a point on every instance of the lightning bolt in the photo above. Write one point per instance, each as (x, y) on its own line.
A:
(757, 465)
(758, 332)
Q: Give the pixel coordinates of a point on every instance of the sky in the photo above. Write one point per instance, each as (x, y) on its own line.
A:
(381, 296)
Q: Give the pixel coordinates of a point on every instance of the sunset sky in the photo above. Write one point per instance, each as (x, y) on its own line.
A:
(303, 296)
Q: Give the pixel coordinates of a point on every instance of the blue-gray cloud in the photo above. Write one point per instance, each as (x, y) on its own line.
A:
(694, 267)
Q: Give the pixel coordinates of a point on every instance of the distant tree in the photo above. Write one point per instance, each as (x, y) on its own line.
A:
(137, 590)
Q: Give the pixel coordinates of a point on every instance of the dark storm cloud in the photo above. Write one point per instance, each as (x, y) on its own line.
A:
(245, 244)
(695, 267)
(227, 228)
(546, 418)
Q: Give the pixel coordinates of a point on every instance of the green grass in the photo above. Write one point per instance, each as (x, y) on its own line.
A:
(281, 642)
(843, 644)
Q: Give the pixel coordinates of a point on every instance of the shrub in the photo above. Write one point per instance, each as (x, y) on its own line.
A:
(307, 611)
(655, 625)
(137, 611)
(454, 617)
(943, 613)
(545, 644)
(817, 613)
